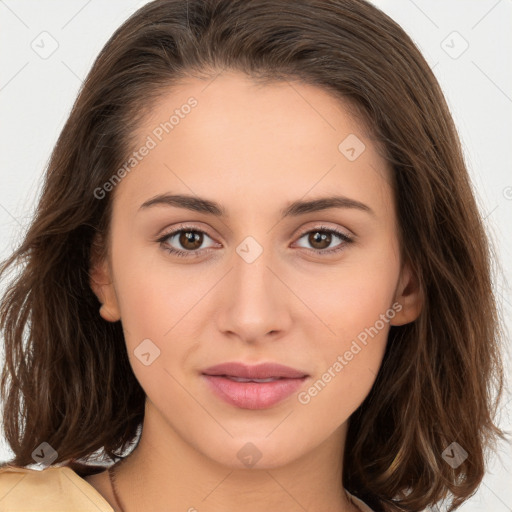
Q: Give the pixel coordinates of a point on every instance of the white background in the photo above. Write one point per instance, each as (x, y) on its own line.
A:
(36, 96)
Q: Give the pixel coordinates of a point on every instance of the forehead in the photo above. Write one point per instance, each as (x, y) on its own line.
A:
(242, 140)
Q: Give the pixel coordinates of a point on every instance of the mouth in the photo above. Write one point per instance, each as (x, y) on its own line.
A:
(253, 387)
(257, 372)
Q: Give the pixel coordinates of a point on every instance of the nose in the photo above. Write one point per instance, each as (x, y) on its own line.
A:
(254, 300)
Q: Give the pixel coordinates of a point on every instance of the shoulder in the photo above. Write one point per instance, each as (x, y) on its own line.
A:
(360, 504)
(55, 489)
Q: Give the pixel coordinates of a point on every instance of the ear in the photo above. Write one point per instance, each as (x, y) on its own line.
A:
(409, 295)
(100, 280)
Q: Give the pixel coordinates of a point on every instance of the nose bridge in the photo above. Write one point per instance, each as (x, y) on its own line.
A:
(254, 301)
(251, 269)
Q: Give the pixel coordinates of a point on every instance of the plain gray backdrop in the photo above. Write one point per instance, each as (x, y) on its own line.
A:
(48, 46)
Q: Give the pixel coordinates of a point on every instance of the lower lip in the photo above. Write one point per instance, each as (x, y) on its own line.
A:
(253, 395)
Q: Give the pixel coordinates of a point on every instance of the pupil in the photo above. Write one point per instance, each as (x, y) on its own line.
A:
(321, 237)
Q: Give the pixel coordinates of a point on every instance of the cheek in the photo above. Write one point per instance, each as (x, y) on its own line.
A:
(355, 306)
(351, 296)
(348, 361)
(151, 303)
(153, 294)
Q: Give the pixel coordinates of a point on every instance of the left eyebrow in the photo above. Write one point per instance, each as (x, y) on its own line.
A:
(293, 209)
(297, 208)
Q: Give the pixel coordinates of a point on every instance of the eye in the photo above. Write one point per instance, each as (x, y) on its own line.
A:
(187, 237)
(191, 238)
(320, 238)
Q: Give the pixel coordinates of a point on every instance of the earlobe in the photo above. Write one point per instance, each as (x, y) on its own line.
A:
(101, 284)
(410, 297)
(108, 315)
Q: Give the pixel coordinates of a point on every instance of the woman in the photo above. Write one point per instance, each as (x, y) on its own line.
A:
(257, 255)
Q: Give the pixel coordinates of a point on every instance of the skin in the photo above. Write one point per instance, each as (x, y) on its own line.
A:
(253, 149)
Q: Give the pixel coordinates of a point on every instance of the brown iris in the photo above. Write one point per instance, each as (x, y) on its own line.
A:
(194, 238)
(316, 237)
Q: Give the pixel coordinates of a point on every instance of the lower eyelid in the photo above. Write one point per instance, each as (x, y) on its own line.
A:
(345, 239)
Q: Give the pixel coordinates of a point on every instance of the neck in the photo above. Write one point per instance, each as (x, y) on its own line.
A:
(164, 470)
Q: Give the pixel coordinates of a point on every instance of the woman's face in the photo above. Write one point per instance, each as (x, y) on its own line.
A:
(263, 279)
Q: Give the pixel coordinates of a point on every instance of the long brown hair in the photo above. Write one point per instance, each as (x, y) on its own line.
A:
(67, 378)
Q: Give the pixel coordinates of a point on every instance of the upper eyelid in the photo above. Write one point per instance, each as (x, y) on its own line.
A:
(301, 233)
(183, 227)
(324, 227)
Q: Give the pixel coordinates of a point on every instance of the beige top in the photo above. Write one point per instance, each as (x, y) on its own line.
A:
(60, 489)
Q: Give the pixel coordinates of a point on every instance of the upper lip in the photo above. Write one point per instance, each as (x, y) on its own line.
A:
(258, 371)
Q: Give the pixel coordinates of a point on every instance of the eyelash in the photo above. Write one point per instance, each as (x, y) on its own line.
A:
(190, 254)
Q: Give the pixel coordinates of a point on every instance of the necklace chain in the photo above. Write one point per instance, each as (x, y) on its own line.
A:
(114, 489)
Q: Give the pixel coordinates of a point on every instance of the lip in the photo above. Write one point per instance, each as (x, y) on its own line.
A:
(253, 395)
(258, 371)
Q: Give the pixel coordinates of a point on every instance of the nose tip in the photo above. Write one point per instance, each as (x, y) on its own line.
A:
(253, 302)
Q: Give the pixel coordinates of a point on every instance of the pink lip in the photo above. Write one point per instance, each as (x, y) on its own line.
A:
(253, 395)
(258, 371)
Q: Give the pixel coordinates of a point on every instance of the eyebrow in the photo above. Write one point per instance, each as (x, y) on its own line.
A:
(293, 209)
